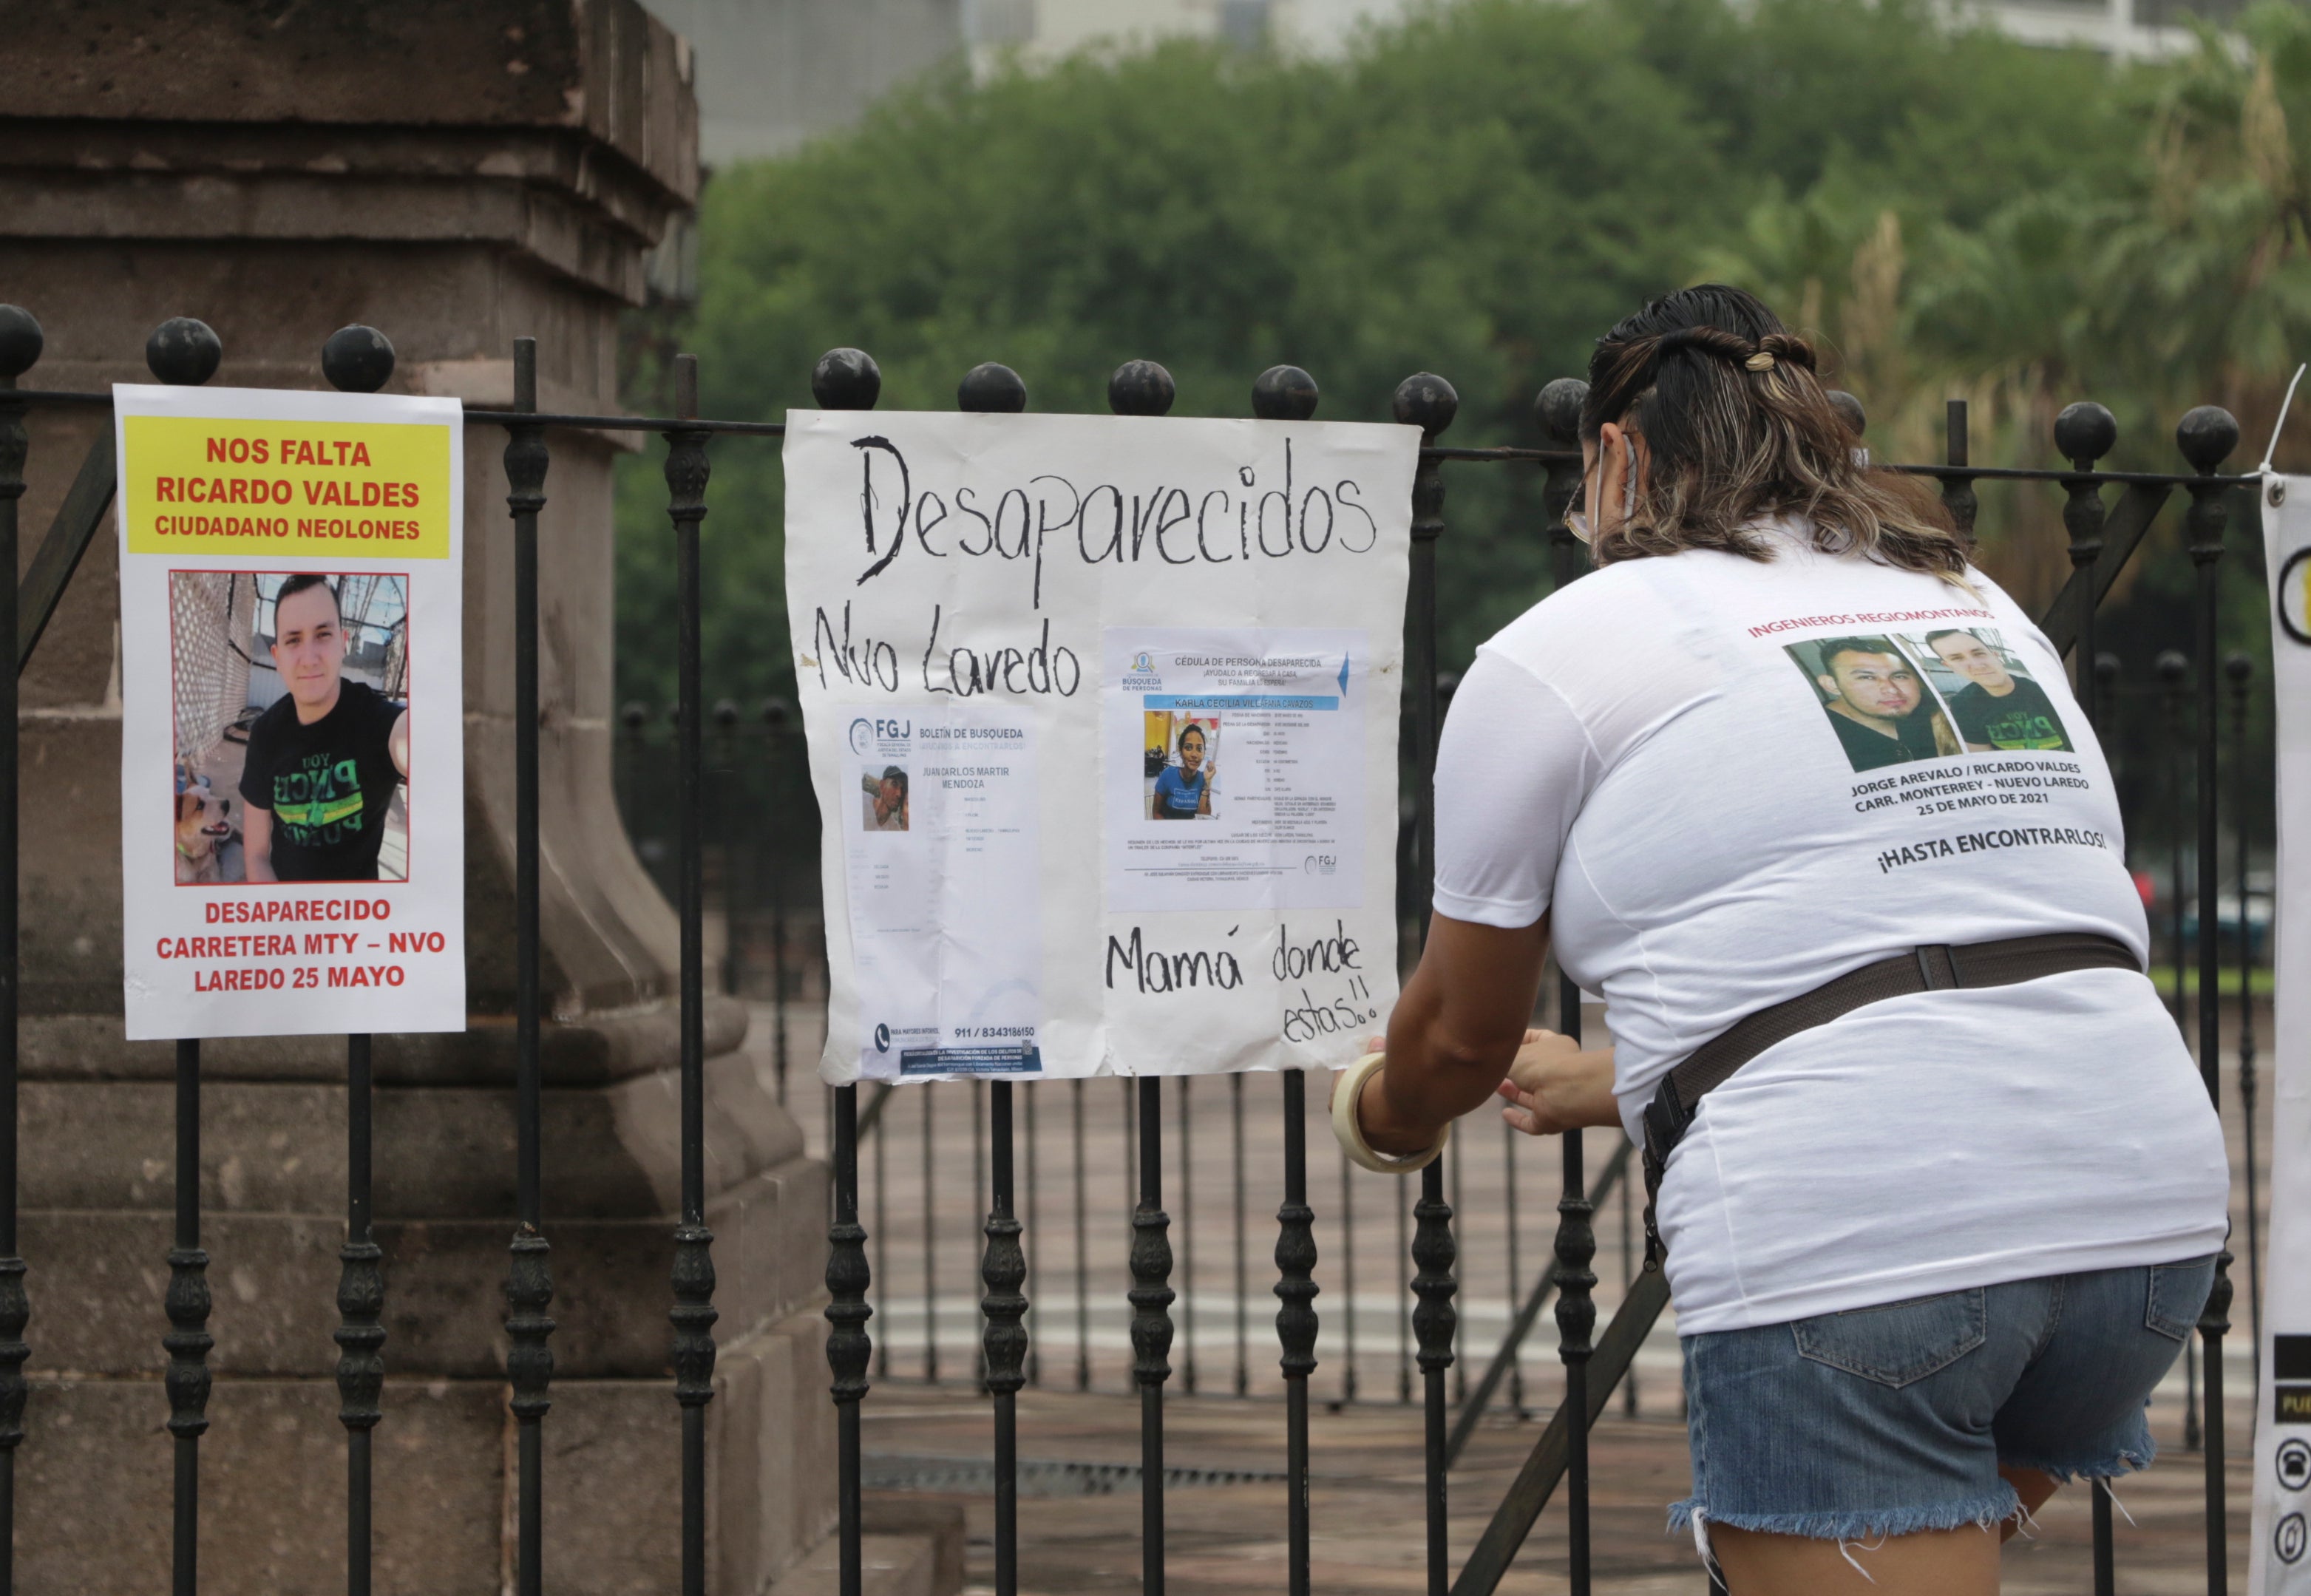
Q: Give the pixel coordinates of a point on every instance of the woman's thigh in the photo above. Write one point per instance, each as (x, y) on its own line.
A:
(1960, 1562)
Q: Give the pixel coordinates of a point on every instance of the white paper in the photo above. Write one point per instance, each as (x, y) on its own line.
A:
(958, 577)
(1280, 826)
(943, 828)
(2281, 1547)
(225, 496)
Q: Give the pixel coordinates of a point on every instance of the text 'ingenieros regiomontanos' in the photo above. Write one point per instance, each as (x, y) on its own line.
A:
(289, 488)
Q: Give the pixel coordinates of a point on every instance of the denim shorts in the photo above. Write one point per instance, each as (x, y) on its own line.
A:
(1890, 1420)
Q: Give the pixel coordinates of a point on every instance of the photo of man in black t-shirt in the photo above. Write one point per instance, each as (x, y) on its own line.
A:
(1999, 708)
(323, 760)
(1875, 703)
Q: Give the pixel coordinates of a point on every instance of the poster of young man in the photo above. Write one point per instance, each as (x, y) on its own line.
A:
(1107, 709)
(292, 818)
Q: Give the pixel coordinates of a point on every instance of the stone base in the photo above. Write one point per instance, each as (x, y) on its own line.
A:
(93, 1491)
(97, 1277)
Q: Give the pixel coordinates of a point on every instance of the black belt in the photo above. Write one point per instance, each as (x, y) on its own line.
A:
(1930, 968)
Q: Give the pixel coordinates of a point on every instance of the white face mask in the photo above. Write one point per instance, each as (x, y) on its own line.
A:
(1578, 520)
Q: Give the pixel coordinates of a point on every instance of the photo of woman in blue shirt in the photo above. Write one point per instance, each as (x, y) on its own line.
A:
(1183, 791)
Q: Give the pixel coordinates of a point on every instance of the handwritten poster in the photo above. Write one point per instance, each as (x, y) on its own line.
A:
(293, 724)
(1102, 715)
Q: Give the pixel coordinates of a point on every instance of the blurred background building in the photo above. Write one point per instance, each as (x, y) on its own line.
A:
(772, 73)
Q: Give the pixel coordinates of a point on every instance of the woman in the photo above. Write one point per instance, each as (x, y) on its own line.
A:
(1934, 1235)
(1184, 791)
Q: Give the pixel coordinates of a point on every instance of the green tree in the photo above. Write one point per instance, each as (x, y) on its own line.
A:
(1478, 191)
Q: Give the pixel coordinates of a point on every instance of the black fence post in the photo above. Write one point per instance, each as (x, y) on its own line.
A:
(849, 379)
(1347, 1276)
(188, 1341)
(848, 1347)
(1034, 1228)
(529, 1279)
(992, 388)
(1083, 1245)
(1239, 1211)
(2173, 668)
(2084, 433)
(1957, 491)
(181, 353)
(1558, 408)
(2206, 436)
(1427, 401)
(1006, 1338)
(693, 1314)
(1296, 1322)
(778, 724)
(360, 1334)
(2240, 670)
(359, 359)
(1288, 393)
(1143, 388)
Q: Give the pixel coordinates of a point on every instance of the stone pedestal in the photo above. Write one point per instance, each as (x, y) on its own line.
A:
(456, 175)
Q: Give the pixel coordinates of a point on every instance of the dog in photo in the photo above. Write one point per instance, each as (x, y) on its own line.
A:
(204, 829)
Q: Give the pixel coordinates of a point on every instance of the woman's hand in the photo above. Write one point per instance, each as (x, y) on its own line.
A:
(1554, 1086)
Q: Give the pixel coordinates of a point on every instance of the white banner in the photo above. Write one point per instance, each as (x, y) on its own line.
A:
(1102, 715)
(2282, 1559)
(292, 827)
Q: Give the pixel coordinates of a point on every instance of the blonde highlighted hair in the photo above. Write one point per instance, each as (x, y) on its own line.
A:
(1739, 429)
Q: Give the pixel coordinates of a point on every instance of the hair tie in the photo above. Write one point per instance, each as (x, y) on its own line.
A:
(1763, 361)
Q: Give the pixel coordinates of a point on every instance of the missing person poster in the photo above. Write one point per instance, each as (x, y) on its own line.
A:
(292, 757)
(2281, 1545)
(1102, 719)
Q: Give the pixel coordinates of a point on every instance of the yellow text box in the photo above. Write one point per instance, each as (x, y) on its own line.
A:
(306, 490)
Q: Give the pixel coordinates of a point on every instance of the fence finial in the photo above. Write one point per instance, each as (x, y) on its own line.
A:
(991, 388)
(846, 380)
(1284, 393)
(21, 342)
(2084, 433)
(357, 359)
(1141, 387)
(1426, 401)
(2206, 436)
(183, 353)
(1558, 410)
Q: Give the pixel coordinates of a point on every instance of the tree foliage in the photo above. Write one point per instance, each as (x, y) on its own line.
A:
(1480, 191)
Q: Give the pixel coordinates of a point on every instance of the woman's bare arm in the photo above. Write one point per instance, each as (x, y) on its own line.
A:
(1455, 1031)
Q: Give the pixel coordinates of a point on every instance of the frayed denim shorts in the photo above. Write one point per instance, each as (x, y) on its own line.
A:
(1890, 1420)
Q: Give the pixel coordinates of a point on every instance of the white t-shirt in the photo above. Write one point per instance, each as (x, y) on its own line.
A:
(1651, 754)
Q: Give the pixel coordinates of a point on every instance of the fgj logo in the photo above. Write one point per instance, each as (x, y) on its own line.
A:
(882, 1039)
(862, 735)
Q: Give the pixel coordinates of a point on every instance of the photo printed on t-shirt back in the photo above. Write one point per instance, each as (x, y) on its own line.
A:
(1994, 702)
(1877, 698)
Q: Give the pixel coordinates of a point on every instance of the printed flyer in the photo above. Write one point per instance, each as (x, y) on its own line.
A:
(2280, 1549)
(291, 770)
(1102, 716)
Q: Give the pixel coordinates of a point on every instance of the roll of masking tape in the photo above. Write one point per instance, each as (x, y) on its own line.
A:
(1351, 1135)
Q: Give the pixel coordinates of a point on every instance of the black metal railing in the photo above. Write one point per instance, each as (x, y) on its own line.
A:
(1429, 1240)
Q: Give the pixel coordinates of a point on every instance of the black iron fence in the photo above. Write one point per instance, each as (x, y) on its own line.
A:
(1015, 1347)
